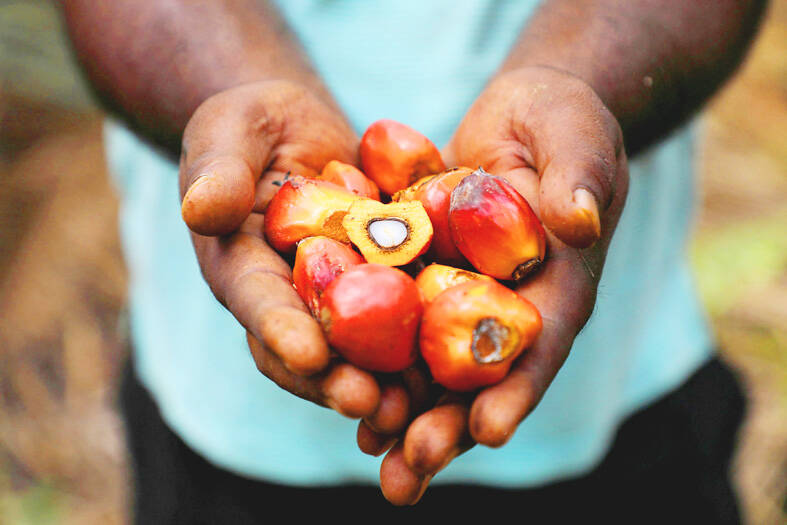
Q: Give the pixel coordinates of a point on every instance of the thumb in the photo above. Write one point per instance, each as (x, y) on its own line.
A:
(219, 196)
(223, 157)
(581, 162)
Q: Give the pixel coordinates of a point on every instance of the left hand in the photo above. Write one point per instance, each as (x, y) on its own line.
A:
(552, 138)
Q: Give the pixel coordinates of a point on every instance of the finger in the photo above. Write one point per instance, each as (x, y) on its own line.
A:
(399, 403)
(422, 391)
(564, 294)
(343, 387)
(576, 145)
(436, 437)
(255, 285)
(227, 144)
(350, 391)
(399, 484)
(498, 410)
(393, 412)
(371, 442)
(220, 197)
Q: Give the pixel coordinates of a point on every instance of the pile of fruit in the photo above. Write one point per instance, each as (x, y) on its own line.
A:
(382, 259)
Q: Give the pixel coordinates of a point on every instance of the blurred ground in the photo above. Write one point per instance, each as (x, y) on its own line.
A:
(62, 281)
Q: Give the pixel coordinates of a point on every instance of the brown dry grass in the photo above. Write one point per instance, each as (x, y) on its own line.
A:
(740, 254)
(61, 293)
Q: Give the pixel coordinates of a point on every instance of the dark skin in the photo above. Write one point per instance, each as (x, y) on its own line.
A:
(584, 79)
(245, 94)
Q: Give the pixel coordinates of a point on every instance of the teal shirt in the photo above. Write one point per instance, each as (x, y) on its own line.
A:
(421, 63)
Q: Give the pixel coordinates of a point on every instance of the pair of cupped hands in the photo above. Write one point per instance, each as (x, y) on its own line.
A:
(543, 130)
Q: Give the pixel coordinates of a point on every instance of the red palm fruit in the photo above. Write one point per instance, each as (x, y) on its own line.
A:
(370, 315)
(495, 228)
(351, 178)
(435, 195)
(318, 260)
(472, 332)
(394, 155)
(306, 207)
(436, 278)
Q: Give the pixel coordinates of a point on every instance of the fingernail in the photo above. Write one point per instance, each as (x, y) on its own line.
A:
(424, 485)
(198, 183)
(333, 405)
(384, 446)
(587, 209)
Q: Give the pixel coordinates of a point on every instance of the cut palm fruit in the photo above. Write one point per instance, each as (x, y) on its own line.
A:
(306, 207)
(393, 234)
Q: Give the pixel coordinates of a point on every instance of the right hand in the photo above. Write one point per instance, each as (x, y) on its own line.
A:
(236, 146)
(550, 135)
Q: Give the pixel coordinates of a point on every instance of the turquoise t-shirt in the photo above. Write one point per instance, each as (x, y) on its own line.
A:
(421, 63)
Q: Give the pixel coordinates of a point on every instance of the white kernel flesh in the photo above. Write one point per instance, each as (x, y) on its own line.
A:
(388, 233)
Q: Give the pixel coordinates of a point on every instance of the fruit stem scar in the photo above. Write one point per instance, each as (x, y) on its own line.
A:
(492, 341)
(526, 268)
(388, 233)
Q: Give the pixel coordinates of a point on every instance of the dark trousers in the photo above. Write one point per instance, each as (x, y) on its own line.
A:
(669, 464)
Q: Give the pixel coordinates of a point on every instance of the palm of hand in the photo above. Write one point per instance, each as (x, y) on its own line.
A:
(550, 136)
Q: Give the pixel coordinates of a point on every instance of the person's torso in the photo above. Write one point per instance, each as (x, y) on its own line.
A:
(421, 63)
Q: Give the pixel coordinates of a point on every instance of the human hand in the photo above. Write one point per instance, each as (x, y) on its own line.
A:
(237, 147)
(552, 138)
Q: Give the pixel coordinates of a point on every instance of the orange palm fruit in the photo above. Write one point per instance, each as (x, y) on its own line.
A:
(408, 194)
(351, 178)
(318, 260)
(394, 155)
(393, 234)
(495, 228)
(472, 332)
(305, 207)
(436, 278)
(435, 194)
(370, 315)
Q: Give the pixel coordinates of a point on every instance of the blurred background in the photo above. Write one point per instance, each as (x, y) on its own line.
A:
(62, 279)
